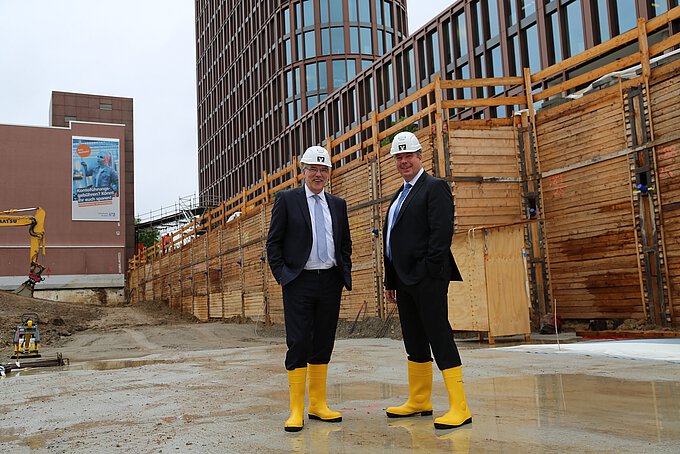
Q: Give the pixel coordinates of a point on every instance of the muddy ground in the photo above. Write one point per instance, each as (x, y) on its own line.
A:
(148, 380)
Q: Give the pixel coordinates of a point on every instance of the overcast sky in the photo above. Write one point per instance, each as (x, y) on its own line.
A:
(142, 49)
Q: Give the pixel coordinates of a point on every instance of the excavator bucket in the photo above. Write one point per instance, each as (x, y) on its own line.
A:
(25, 289)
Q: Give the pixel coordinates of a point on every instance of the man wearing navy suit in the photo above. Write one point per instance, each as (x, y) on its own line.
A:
(418, 268)
(309, 251)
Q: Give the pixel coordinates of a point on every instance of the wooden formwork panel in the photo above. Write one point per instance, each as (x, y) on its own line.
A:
(666, 121)
(253, 305)
(231, 268)
(214, 242)
(164, 295)
(485, 203)
(233, 303)
(200, 248)
(200, 308)
(186, 255)
(353, 185)
(229, 236)
(199, 273)
(363, 265)
(187, 304)
(251, 226)
(507, 286)
(593, 258)
(483, 152)
(591, 129)
(214, 275)
(467, 299)
(215, 305)
(175, 282)
(253, 270)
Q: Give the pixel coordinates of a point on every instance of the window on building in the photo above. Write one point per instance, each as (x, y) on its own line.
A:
(298, 17)
(389, 41)
(352, 10)
(627, 17)
(388, 14)
(496, 67)
(461, 36)
(337, 40)
(554, 23)
(286, 21)
(366, 41)
(336, 11)
(659, 7)
(339, 73)
(287, 51)
(105, 106)
(354, 40)
(527, 8)
(365, 64)
(603, 21)
(323, 11)
(310, 44)
(310, 75)
(312, 101)
(68, 119)
(379, 12)
(511, 12)
(298, 39)
(574, 27)
(325, 41)
(493, 17)
(434, 49)
(365, 11)
(308, 8)
(533, 50)
(323, 77)
(477, 27)
(289, 84)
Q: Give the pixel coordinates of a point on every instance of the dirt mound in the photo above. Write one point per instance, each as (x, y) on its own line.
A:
(55, 319)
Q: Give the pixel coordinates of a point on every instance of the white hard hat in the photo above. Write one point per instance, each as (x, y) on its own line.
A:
(405, 142)
(316, 155)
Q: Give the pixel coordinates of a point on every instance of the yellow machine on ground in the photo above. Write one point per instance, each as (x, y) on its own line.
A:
(36, 228)
(27, 338)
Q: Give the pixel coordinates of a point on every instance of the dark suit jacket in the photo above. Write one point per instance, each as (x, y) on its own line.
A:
(289, 241)
(422, 234)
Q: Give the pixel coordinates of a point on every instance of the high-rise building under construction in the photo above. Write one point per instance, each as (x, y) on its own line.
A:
(260, 65)
(272, 76)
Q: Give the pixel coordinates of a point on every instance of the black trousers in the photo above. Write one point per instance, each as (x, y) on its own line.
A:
(311, 306)
(424, 316)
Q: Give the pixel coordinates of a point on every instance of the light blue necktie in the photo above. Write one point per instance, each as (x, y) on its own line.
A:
(402, 196)
(320, 229)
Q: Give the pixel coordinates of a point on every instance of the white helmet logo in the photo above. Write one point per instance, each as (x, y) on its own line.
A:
(320, 159)
(402, 147)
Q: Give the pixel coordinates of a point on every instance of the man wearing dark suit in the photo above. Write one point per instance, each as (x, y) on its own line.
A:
(418, 267)
(309, 251)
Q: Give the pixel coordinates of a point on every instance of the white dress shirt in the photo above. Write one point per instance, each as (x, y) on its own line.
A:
(313, 262)
(394, 205)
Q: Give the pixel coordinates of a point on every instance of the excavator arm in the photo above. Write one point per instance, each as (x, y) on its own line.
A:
(36, 229)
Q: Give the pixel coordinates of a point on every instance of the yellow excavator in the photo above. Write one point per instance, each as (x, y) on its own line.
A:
(36, 229)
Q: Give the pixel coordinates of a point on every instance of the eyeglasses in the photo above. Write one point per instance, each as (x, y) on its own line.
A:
(321, 170)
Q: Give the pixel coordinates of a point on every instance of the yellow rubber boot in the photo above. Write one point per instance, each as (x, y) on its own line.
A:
(296, 385)
(318, 408)
(459, 413)
(419, 392)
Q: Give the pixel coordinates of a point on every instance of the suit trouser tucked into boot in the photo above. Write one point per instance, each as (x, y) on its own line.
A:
(423, 313)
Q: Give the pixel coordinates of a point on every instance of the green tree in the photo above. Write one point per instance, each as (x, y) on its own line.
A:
(147, 236)
(413, 127)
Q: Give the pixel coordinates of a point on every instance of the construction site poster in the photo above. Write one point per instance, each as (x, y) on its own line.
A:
(95, 164)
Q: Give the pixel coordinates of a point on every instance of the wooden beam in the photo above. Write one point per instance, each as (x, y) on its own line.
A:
(439, 129)
(406, 101)
(483, 102)
(589, 76)
(588, 54)
(662, 19)
(397, 126)
(664, 45)
(644, 48)
(486, 82)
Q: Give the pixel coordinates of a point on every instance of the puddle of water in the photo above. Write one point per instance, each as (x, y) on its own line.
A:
(541, 413)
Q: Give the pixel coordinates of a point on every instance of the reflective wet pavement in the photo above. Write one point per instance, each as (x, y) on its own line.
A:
(235, 401)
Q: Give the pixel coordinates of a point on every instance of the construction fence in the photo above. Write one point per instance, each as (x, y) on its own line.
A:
(575, 207)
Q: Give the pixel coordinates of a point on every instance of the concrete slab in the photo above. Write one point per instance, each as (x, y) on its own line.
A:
(231, 397)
